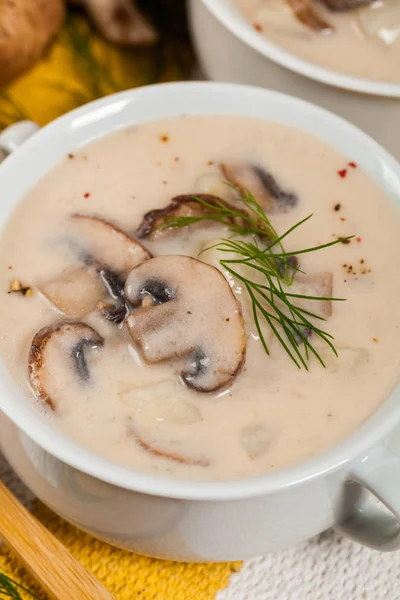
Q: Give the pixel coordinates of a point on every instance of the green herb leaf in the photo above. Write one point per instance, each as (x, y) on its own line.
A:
(12, 589)
(259, 247)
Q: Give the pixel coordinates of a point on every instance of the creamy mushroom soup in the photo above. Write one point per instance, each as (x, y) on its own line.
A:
(128, 333)
(355, 37)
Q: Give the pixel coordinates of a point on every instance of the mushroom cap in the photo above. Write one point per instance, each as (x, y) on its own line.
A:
(71, 339)
(185, 205)
(318, 285)
(107, 245)
(343, 5)
(307, 14)
(261, 184)
(185, 309)
(152, 448)
(27, 26)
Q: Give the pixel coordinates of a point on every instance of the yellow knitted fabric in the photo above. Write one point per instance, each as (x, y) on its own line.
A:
(128, 576)
(81, 66)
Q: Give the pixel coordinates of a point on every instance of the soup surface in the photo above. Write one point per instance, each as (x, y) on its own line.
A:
(183, 385)
(363, 42)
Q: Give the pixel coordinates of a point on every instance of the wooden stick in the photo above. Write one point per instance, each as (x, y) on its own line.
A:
(59, 573)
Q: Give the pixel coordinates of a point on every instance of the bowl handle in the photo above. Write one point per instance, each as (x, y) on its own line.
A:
(15, 135)
(369, 523)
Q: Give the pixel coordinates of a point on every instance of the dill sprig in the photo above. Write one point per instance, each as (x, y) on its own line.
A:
(12, 589)
(257, 246)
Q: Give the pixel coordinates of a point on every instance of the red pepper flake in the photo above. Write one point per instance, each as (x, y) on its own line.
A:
(375, 340)
(353, 165)
(358, 239)
(86, 195)
(164, 138)
(342, 173)
(258, 27)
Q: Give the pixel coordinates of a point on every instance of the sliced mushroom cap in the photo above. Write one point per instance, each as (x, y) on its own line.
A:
(75, 293)
(261, 184)
(317, 286)
(211, 255)
(155, 222)
(307, 14)
(58, 347)
(186, 310)
(102, 243)
(256, 440)
(213, 184)
(155, 450)
(342, 5)
(380, 22)
(163, 401)
(349, 361)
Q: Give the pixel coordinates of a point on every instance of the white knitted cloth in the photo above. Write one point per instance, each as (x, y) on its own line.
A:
(328, 567)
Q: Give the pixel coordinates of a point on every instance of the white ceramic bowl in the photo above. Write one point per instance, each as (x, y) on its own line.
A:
(230, 49)
(188, 520)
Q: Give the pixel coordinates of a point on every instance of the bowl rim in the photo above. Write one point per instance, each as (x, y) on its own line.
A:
(238, 25)
(29, 421)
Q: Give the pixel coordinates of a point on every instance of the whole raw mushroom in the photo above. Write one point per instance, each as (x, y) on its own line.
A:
(26, 29)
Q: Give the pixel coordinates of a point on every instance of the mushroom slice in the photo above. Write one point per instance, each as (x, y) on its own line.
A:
(214, 184)
(306, 13)
(75, 293)
(317, 286)
(380, 22)
(115, 312)
(161, 401)
(106, 245)
(342, 5)
(256, 440)
(174, 456)
(349, 361)
(68, 339)
(155, 222)
(186, 310)
(261, 184)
